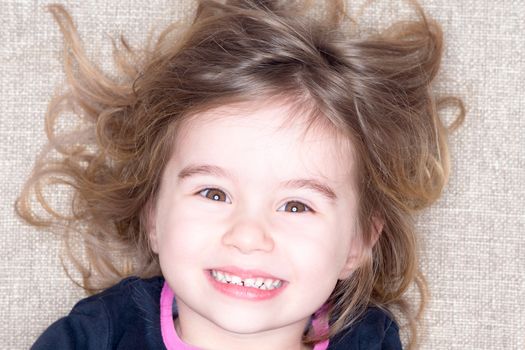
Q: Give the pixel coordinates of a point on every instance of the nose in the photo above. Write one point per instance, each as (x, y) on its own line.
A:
(248, 236)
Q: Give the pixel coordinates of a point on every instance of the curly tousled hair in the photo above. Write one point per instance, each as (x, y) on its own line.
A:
(373, 87)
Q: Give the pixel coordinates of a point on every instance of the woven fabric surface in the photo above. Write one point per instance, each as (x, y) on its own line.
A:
(474, 246)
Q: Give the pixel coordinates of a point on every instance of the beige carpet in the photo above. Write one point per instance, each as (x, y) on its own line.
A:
(475, 236)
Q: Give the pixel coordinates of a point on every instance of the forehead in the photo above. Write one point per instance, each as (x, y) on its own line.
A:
(267, 131)
(274, 115)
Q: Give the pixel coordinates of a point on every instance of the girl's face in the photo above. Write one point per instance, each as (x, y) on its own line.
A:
(254, 224)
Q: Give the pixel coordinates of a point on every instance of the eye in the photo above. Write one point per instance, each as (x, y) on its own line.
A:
(295, 207)
(214, 194)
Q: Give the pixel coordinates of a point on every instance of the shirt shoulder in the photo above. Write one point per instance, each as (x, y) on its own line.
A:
(122, 315)
(376, 330)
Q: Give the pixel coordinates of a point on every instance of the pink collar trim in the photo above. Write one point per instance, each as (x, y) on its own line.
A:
(169, 335)
(171, 338)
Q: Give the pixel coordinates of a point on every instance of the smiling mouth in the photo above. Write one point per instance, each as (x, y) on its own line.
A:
(260, 283)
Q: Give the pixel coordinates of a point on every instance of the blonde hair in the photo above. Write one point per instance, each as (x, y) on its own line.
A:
(374, 88)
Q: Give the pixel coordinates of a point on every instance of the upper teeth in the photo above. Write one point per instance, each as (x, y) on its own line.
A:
(256, 282)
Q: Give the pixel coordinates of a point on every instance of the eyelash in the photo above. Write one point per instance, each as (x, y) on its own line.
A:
(306, 208)
(204, 193)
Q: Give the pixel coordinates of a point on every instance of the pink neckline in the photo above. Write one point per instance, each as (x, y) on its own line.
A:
(169, 335)
(171, 338)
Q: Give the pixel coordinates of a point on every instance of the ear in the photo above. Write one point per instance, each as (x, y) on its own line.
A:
(358, 250)
(377, 227)
(151, 227)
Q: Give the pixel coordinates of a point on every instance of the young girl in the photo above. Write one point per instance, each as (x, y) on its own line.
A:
(248, 182)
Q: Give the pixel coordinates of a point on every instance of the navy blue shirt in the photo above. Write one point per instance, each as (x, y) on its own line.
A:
(127, 316)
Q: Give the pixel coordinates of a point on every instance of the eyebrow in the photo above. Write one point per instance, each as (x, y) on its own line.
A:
(204, 169)
(311, 184)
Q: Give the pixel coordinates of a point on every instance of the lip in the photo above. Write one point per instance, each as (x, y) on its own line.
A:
(241, 292)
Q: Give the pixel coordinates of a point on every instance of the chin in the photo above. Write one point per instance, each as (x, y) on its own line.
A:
(246, 324)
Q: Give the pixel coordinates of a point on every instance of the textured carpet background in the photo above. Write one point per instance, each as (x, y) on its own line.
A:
(474, 237)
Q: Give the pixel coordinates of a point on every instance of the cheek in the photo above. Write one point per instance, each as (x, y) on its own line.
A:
(318, 253)
(176, 230)
(183, 234)
(317, 264)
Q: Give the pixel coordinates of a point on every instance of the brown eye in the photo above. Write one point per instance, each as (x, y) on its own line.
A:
(296, 207)
(214, 194)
